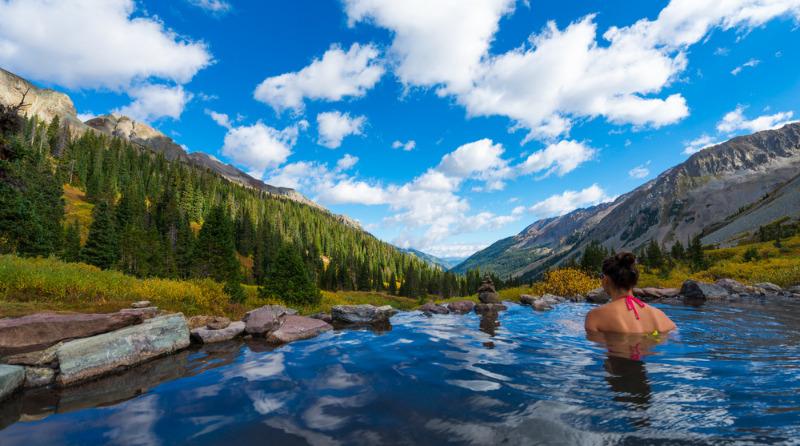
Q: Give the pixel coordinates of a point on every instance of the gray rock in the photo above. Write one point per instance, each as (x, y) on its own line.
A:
(490, 308)
(11, 377)
(141, 304)
(295, 328)
(701, 291)
(461, 306)
(598, 296)
(487, 293)
(362, 314)
(41, 330)
(143, 312)
(769, 287)
(651, 293)
(38, 358)
(527, 299)
(326, 317)
(205, 335)
(262, 321)
(38, 376)
(540, 305)
(87, 358)
(432, 308)
(218, 323)
(733, 286)
(794, 289)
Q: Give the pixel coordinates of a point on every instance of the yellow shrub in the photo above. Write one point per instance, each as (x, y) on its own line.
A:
(565, 282)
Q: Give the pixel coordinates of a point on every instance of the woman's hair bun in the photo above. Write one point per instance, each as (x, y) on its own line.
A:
(626, 259)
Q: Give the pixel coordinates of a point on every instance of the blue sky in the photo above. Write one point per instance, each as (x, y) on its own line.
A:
(443, 125)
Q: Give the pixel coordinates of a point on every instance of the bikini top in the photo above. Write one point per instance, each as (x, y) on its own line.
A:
(631, 302)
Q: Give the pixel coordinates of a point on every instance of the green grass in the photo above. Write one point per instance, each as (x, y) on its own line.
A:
(77, 208)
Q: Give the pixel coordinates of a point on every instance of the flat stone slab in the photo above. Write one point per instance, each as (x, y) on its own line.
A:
(88, 358)
(295, 328)
(461, 306)
(362, 314)
(37, 358)
(205, 335)
(11, 377)
(41, 330)
(141, 304)
(144, 312)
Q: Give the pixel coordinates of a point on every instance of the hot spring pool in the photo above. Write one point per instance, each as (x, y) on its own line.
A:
(730, 375)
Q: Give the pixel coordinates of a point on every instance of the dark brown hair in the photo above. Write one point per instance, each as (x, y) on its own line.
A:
(621, 269)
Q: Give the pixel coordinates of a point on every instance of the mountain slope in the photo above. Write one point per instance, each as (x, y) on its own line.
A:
(445, 263)
(721, 192)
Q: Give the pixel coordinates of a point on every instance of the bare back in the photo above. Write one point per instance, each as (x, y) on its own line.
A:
(616, 317)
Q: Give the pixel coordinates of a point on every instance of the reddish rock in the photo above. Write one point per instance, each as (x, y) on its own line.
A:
(262, 321)
(461, 306)
(144, 312)
(527, 299)
(295, 328)
(432, 308)
(41, 330)
(650, 293)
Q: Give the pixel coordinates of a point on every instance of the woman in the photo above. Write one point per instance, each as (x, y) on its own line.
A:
(625, 313)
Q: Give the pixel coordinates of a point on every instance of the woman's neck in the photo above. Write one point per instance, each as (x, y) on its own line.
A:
(620, 294)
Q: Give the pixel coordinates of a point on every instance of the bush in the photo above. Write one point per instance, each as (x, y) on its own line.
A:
(751, 254)
(565, 282)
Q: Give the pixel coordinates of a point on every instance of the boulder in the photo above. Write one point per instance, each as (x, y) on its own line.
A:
(87, 358)
(295, 328)
(547, 302)
(141, 304)
(263, 320)
(198, 321)
(432, 308)
(38, 358)
(205, 335)
(218, 323)
(733, 286)
(490, 308)
(651, 293)
(11, 378)
(598, 296)
(362, 314)
(326, 317)
(701, 291)
(770, 288)
(794, 289)
(144, 312)
(527, 299)
(487, 293)
(41, 330)
(38, 376)
(461, 306)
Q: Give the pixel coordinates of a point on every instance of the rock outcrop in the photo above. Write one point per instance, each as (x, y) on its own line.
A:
(11, 378)
(41, 330)
(527, 299)
(263, 320)
(208, 335)
(38, 358)
(487, 294)
(770, 288)
(651, 293)
(598, 296)
(295, 328)
(695, 291)
(87, 358)
(364, 314)
(461, 306)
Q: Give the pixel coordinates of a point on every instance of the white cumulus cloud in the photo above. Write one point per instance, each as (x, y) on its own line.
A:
(346, 162)
(338, 74)
(151, 102)
(93, 44)
(640, 171)
(406, 146)
(568, 201)
(735, 120)
(559, 158)
(701, 142)
(335, 126)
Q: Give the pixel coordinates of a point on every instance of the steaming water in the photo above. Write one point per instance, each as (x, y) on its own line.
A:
(730, 375)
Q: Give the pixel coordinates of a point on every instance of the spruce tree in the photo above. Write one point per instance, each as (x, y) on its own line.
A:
(697, 260)
(101, 246)
(289, 280)
(71, 250)
(215, 253)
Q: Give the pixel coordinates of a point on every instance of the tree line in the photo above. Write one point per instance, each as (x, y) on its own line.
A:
(153, 217)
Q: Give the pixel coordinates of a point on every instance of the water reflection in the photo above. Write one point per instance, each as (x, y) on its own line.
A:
(489, 324)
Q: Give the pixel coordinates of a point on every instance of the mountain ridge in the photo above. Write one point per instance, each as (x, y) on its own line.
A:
(718, 193)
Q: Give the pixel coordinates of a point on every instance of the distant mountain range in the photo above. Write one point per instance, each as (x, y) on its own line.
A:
(445, 263)
(723, 193)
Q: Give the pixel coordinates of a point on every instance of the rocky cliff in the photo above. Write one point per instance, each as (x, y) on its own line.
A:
(723, 193)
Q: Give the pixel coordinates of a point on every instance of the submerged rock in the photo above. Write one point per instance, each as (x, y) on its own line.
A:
(11, 378)
(91, 357)
(262, 321)
(141, 304)
(205, 335)
(362, 314)
(598, 296)
(490, 308)
(432, 308)
(700, 291)
(41, 330)
(38, 376)
(487, 293)
(295, 328)
(461, 306)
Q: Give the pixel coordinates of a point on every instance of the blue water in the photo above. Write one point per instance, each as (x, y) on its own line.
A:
(730, 375)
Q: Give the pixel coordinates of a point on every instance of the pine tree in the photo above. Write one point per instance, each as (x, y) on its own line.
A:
(71, 250)
(215, 253)
(393, 284)
(288, 279)
(101, 245)
(697, 260)
(593, 256)
(677, 252)
(654, 258)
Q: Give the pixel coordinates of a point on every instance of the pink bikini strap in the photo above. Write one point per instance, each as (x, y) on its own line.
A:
(630, 301)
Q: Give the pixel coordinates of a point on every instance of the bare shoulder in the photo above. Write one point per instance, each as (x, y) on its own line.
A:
(663, 321)
(595, 318)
